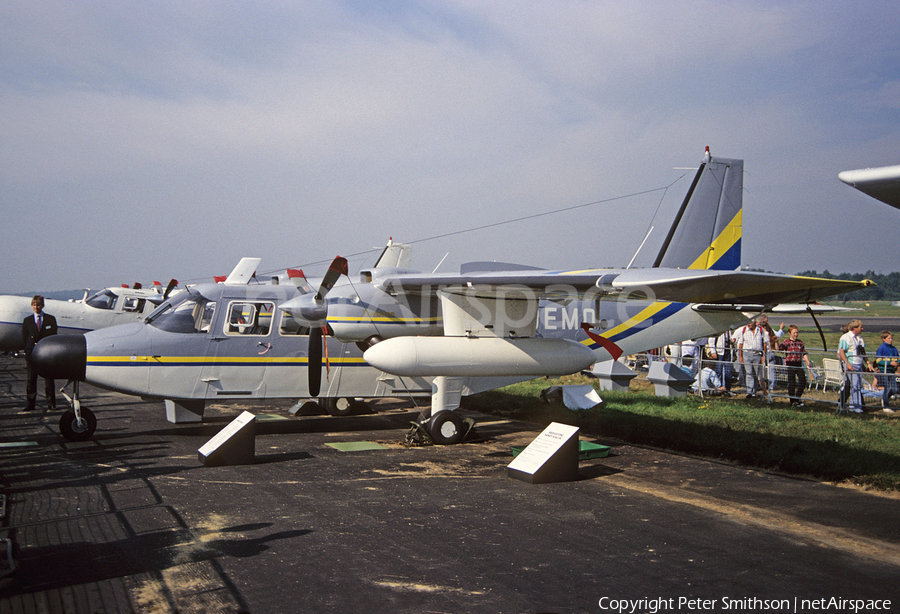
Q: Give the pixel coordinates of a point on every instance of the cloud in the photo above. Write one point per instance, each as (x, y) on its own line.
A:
(172, 139)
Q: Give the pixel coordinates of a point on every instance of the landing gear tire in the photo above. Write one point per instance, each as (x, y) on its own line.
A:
(72, 430)
(340, 406)
(446, 428)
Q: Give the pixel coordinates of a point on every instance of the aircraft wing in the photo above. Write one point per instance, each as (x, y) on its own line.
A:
(882, 183)
(674, 285)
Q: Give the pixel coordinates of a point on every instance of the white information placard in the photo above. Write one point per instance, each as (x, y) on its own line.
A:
(233, 445)
(554, 452)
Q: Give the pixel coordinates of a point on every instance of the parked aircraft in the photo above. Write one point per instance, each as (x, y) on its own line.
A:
(401, 332)
(105, 308)
(882, 183)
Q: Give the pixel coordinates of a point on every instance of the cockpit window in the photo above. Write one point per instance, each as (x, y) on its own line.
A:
(102, 300)
(187, 313)
(249, 318)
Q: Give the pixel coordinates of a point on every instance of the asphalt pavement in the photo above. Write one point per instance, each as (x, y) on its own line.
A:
(336, 515)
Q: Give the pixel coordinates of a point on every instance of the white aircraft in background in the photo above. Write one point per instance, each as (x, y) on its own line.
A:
(882, 183)
(400, 332)
(108, 307)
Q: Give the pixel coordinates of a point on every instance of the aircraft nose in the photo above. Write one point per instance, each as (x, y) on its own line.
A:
(61, 357)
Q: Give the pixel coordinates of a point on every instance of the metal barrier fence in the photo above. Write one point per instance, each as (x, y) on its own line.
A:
(768, 376)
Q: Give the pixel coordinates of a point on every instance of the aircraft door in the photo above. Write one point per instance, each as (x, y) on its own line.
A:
(239, 349)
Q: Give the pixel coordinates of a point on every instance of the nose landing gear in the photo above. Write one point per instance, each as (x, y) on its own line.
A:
(78, 423)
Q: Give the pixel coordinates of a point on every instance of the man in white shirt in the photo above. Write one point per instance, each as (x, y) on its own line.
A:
(751, 345)
(852, 353)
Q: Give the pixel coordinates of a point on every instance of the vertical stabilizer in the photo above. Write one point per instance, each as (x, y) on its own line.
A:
(396, 255)
(706, 233)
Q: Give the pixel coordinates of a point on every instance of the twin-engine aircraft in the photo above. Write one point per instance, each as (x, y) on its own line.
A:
(105, 308)
(399, 332)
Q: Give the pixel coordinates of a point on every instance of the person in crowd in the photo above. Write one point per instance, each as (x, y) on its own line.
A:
(795, 357)
(690, 355)
(34, 328)
(772, 358)
(719, 351)
(707, 380)
(887, 365)
(740, 375)
(751, 346)
(852, 354)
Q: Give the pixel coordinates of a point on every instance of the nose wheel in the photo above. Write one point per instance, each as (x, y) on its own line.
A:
(75, 428)
(78, 423)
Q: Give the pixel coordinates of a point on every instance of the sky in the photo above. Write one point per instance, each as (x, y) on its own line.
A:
(142, 141)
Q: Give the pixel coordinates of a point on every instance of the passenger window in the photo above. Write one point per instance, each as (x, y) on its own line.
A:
(247, 318)
(290, 327)
(134, 304)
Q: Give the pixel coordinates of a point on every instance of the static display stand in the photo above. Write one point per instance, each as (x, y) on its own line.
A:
(233, 445)
(613, 375)
(551, 457)
(184, 411)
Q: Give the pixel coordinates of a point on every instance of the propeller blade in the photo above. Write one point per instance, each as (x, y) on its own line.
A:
(169, 288)
(314, 366)
(338, 267)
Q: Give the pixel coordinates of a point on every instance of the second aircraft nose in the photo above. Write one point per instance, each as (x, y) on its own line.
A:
(61, 357)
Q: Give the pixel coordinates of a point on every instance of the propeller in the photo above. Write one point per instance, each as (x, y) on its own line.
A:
(169, 288)
(315, 311)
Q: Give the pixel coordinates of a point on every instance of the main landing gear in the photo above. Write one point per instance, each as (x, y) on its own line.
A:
(445, 428)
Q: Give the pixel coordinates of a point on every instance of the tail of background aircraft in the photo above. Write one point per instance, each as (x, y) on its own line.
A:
(706, 233)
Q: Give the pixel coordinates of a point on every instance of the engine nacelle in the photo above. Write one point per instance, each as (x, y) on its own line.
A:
(478, 356)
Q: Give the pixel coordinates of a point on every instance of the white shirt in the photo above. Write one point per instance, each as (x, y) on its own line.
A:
(752, 339)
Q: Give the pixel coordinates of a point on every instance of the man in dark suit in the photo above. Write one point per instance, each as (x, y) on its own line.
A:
(35, 328)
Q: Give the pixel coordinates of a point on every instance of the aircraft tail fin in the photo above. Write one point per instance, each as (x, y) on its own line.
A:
(243, 272)
(706, 233)
(395, 255)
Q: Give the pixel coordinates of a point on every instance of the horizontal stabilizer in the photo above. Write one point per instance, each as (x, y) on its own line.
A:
(731, 286)
(674, 285)
(492, 266)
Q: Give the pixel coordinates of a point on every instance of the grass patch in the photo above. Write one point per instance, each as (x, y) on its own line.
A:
(810, 441)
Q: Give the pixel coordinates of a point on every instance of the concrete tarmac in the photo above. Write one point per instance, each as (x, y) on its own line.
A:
(132, 521)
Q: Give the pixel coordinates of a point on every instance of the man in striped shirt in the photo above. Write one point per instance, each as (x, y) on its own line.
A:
(794, 357)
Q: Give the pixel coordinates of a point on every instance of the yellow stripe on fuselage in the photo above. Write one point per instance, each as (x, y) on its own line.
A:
(648, 312)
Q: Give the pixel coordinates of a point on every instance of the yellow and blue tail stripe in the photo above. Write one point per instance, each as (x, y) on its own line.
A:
(724, 253)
